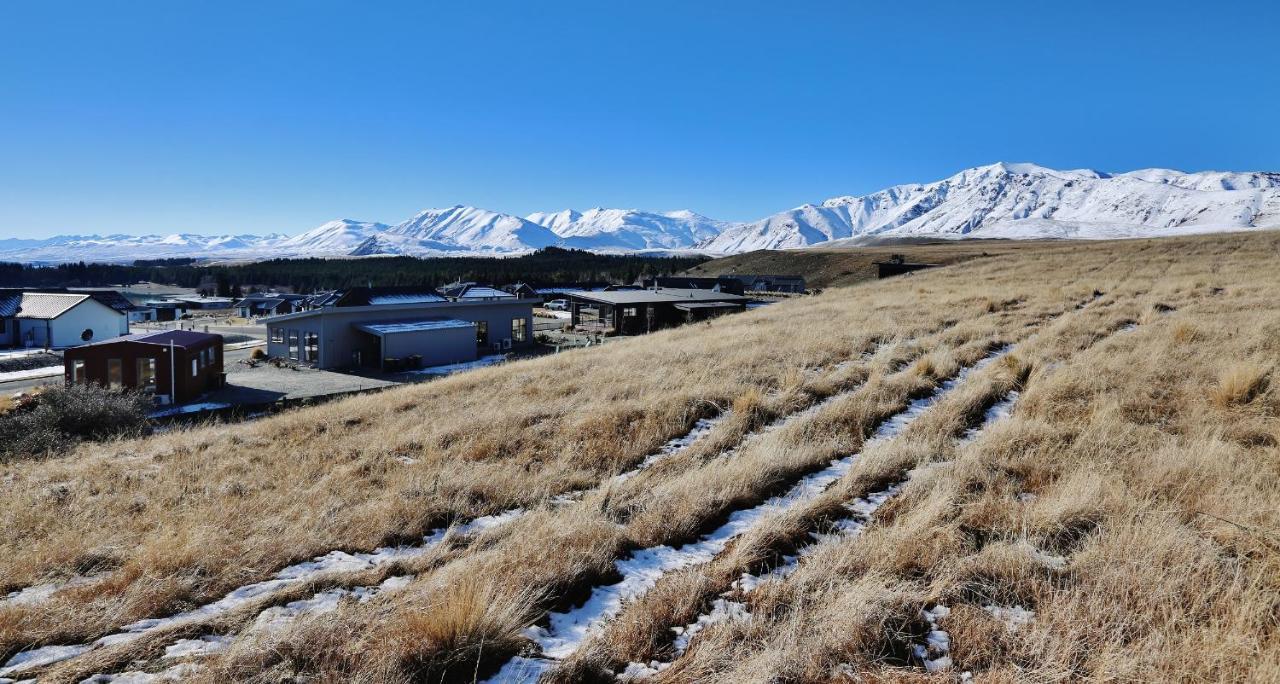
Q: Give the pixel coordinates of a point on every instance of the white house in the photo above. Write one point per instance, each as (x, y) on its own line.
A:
(66, 320)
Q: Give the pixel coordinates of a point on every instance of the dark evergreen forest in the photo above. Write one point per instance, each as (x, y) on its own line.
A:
(551, 265)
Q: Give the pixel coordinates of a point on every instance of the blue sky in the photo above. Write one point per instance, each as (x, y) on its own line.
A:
(259, 117)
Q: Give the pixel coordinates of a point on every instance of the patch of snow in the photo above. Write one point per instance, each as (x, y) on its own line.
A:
(452, 368)
(334, 561)
(205, 645)
(30, 373)
(935, 651)
(39, 657)
(676, 445)
(177, 673)
(185, 409)
(1013, 617)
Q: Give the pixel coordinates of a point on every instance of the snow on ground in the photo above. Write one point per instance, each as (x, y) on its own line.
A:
(1013, 617)
(177, 673)
(334, 561)
(46, 372)
(452, 368)
(674, 446)
(205, 645)
(641, 570)
(190, 408)
(935, 652)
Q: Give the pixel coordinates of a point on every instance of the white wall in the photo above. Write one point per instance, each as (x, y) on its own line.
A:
(66, 329)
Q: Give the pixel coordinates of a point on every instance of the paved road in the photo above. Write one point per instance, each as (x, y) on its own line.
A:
(229, 359)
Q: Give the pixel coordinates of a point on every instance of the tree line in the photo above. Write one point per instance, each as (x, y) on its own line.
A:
(550, 265)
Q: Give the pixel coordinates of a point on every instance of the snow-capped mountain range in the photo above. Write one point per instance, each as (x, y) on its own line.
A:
(996, 201)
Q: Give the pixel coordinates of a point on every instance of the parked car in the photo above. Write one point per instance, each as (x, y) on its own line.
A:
(557, 305)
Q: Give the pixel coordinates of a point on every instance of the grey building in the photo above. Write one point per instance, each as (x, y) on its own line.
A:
(390, 328)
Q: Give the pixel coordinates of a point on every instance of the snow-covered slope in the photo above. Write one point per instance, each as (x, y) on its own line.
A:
(1026, 201)
(996, 201)
(629, 229)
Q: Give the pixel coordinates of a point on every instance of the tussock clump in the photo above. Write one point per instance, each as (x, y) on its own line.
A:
(1240, 384)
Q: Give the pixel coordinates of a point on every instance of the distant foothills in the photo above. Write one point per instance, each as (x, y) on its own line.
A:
(1001, 200)
(549, 266)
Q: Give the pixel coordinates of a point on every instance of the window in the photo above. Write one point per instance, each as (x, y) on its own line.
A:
(277, 335)
(311, 348)
(115, 373)
(195, 367)
(629, 311)
(518, 329)
(482, 333)
(208, 356)
(146, 374)
(293, 345)
(77, 371)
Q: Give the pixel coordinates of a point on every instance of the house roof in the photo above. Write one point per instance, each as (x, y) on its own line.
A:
(691, 306)
(48, 305)
(473, 291)
(182, 339)
(419, 325)
(377, 296)
(663, 295)
(9, 301)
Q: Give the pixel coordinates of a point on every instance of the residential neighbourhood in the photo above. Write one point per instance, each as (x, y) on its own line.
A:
(205, 351)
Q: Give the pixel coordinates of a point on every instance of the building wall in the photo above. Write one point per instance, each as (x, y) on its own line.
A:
(436, 347)
(339, 340)
(8, 332)
(191, 384)
(66, 329)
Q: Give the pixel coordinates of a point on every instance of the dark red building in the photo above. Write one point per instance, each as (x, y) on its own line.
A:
(151, 362)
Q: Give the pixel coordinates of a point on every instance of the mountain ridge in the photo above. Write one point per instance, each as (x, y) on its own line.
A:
(1000, 200)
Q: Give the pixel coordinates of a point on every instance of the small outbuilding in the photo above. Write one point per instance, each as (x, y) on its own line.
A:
(154, 363)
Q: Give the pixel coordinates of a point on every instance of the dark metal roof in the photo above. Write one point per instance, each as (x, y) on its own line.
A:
(367, 296)
(182, 339)
(666, 295)
(9, 300)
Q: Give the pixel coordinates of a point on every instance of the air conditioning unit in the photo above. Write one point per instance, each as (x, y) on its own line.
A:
(506, 344)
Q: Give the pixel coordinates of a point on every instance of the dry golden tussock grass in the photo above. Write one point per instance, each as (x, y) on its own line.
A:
(1129, 501)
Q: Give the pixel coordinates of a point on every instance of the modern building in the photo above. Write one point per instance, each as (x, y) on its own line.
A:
(269, 304)
(57, 320)
(153, 363)
(635, 312)
(792, 284)
(388, 328)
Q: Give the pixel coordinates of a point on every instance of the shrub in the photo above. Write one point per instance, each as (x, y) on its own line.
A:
(60, 417)
(258, 354)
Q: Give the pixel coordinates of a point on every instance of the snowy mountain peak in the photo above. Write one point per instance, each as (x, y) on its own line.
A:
(1000, 200)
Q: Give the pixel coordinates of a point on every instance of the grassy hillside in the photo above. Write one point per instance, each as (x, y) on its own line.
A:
(1053, 463)
(836, 266)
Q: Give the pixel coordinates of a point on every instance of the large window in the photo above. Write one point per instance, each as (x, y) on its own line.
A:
(115, 373)
(311, 350)
(195, 366)
(277, 335)
(519, 329)
(146, 374)
(482, 333)
(293, 345)
(77, 371)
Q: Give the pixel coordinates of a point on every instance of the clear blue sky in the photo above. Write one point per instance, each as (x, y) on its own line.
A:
(221, 117)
